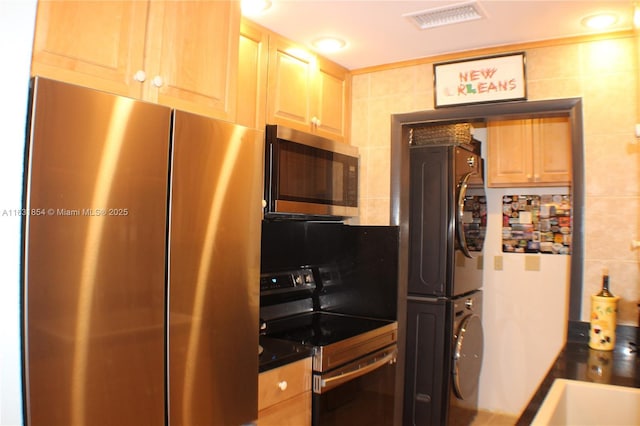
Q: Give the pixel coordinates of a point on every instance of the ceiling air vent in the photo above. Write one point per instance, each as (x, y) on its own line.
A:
(452, 14)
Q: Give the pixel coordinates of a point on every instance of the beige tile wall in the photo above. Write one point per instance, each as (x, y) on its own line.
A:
(604, 73)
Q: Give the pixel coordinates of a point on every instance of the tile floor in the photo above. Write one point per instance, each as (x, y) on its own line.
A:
(488, 418)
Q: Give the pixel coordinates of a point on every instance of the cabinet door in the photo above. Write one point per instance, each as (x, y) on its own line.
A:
(333, 101)
(252, 75)
(295, 411)
(296, 376)
(552, 150)
(290, 84)
(96, 44)
(509, 153)
(284, 395)
(192, 46)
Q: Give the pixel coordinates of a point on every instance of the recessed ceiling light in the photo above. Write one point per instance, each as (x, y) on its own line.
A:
(254, 7)
(446, 15)
(329, 44)
(600, 21)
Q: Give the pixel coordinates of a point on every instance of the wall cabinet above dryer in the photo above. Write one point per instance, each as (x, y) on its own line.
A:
(179, 54)
(529, 152)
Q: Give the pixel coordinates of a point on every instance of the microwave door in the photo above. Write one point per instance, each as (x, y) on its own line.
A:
(310, 178)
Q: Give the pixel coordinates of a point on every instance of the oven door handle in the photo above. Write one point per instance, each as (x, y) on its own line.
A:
(332, 382)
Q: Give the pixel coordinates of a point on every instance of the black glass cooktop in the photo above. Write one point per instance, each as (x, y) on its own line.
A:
(276, 353)
(321, 328)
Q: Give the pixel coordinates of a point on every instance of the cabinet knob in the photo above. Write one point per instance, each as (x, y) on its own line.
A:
(315, 121)
(157, 81)
(140, 76)
(283, 385)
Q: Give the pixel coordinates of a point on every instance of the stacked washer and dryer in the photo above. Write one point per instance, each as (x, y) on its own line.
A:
(447, 224)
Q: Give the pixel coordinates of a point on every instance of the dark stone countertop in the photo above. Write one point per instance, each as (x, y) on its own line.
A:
(577, 361)
(277, 353)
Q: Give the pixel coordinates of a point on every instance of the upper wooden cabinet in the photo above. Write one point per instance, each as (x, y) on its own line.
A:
(252, 75)
(529, 152)
(82, 43)
(179, 54)
(307, 92)
(333, 102)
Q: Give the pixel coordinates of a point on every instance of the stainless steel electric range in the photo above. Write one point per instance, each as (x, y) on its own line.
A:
(353, 356)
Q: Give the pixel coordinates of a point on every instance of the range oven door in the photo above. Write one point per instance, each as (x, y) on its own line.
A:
(360, 392)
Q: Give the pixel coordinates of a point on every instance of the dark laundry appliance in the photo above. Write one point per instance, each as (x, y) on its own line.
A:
(332, 288)
(447, 226)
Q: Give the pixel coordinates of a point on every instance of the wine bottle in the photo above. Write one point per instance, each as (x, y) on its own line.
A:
(604, 307)
(605, 292)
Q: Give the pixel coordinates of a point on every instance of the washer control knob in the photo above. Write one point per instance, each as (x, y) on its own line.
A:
(468, 304)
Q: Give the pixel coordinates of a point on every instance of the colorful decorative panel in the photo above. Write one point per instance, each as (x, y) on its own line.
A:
(536, 224)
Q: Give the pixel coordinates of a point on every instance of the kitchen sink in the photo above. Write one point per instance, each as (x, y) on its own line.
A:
(574, 402)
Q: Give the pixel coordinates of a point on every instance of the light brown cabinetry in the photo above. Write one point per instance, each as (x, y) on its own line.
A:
(333, 100)
(283, 83)
(284, 395)
(529, 152)
(179, 54)
(252, 75)
(305, 91)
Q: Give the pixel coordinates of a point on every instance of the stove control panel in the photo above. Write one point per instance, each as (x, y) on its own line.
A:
(298, 279)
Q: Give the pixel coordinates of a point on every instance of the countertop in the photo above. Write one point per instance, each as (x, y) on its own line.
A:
(277, 353)
(577, 361)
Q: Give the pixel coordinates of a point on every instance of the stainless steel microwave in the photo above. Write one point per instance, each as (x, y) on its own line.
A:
(309, 177)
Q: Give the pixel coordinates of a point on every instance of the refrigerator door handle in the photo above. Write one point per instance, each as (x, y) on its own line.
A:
(462, 240)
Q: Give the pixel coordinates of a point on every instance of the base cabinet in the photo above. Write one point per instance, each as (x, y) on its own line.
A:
(529, 152)
(284, 395)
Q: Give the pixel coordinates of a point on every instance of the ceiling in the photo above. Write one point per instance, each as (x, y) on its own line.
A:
(377, 32)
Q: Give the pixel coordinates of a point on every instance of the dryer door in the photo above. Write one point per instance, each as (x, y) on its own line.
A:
(467, 357)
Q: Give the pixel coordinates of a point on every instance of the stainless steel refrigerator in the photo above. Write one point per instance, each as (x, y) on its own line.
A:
(141, 243)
